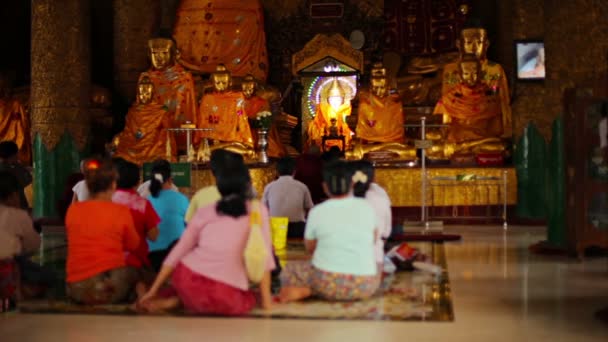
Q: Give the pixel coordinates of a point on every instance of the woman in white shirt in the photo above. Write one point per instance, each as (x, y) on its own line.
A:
(340, 234)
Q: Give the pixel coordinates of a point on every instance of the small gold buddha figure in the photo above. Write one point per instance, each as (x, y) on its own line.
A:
(380, 120)
(475, 41)
(472, 111)
(255, 104)
(14, 122)
(335, 107)
(174, 86)
(145, 137)
(223, 110)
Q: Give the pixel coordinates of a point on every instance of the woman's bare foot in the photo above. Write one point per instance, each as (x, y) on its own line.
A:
(291, 294)
(160, 305)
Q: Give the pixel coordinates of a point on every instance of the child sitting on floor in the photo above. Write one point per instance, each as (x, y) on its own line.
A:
(206, 266)
(340, 233)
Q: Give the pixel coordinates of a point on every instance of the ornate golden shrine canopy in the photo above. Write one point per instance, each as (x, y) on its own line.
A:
(327, 46)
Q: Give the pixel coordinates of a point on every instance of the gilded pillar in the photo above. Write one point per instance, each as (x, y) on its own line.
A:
(135, 21)
(61, 82)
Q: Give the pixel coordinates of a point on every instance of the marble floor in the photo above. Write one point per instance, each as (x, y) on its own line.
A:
(500, 293)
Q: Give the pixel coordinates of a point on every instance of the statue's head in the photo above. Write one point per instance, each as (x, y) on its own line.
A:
(470, 69)
(162, 53)
(249, 84)
(145, 90)
(221, 78)
(379, 81)
(474, 41)
(335, 96)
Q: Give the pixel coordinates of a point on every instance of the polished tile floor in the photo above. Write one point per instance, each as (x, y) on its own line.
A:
(500, 293)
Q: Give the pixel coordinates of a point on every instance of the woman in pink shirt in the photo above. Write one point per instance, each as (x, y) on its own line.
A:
(206, 266)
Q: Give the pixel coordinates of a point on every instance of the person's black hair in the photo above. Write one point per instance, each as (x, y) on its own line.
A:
(100, 176)
(9, 185)
(160, 169)
(360, 188)
(8, 149)
(286, 166)
(128, 174)
(234, 185)
(337, 177)
(221, 158)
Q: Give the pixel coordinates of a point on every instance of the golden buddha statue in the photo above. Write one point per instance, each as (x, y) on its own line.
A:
(14, 122)
(229, 32)
(145, 135)
(472, 110)
(336, 107)
(255, 104)
(223, 110)
(475, 41)
(380, 120)
(174, 86)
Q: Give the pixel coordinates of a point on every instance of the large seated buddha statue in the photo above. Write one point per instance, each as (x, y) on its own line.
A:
(329, 120)
(475, 41)
(380, 120)
(14, 122)
(173, 85)
(229, 32)
(473, 112)
(223, 111)
(145, 135)
(255, 104)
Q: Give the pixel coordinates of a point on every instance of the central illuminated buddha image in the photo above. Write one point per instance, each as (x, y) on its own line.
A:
(331, 110)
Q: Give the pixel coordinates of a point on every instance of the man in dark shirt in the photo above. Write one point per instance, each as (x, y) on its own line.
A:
(9, 162)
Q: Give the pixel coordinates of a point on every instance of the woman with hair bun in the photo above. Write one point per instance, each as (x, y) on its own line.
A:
(99, 233)
(340, 234)
(171, 207)
(206, 266)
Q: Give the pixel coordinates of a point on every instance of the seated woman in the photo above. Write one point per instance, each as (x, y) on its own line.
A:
(377, 198)
(343, 263)
(206, 266)
(144, 216)
(18, 239)
(99, 233)
(171, 206)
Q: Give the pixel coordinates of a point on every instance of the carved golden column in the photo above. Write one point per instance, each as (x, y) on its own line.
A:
(135, 21)
(60, 90)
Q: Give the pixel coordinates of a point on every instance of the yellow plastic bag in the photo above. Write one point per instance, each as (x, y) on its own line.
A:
(255, 254)
(278, 228)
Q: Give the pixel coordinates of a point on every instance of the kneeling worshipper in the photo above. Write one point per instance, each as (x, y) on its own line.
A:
(206, 267)
(144, 216)
(171, 206)
(343, 263)
(99, 233)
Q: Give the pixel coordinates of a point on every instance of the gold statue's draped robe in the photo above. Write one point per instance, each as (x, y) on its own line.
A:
(473, 114)
(174, 88)
(15, 126)
(494, 77)
(225, 114)
(144, 138)
(253, 106)
(319, 126)
(380, 119)
(228, 31)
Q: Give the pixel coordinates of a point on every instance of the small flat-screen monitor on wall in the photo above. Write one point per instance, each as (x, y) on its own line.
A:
(530, 59)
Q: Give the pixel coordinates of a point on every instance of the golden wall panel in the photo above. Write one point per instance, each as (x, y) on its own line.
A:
(61, 77)
(403, 186)
(260, 176)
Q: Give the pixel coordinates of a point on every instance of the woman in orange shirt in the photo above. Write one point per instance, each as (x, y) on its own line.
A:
(99, 233)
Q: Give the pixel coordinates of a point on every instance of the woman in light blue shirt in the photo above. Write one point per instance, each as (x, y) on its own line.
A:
(340, 234)
(171, 206)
